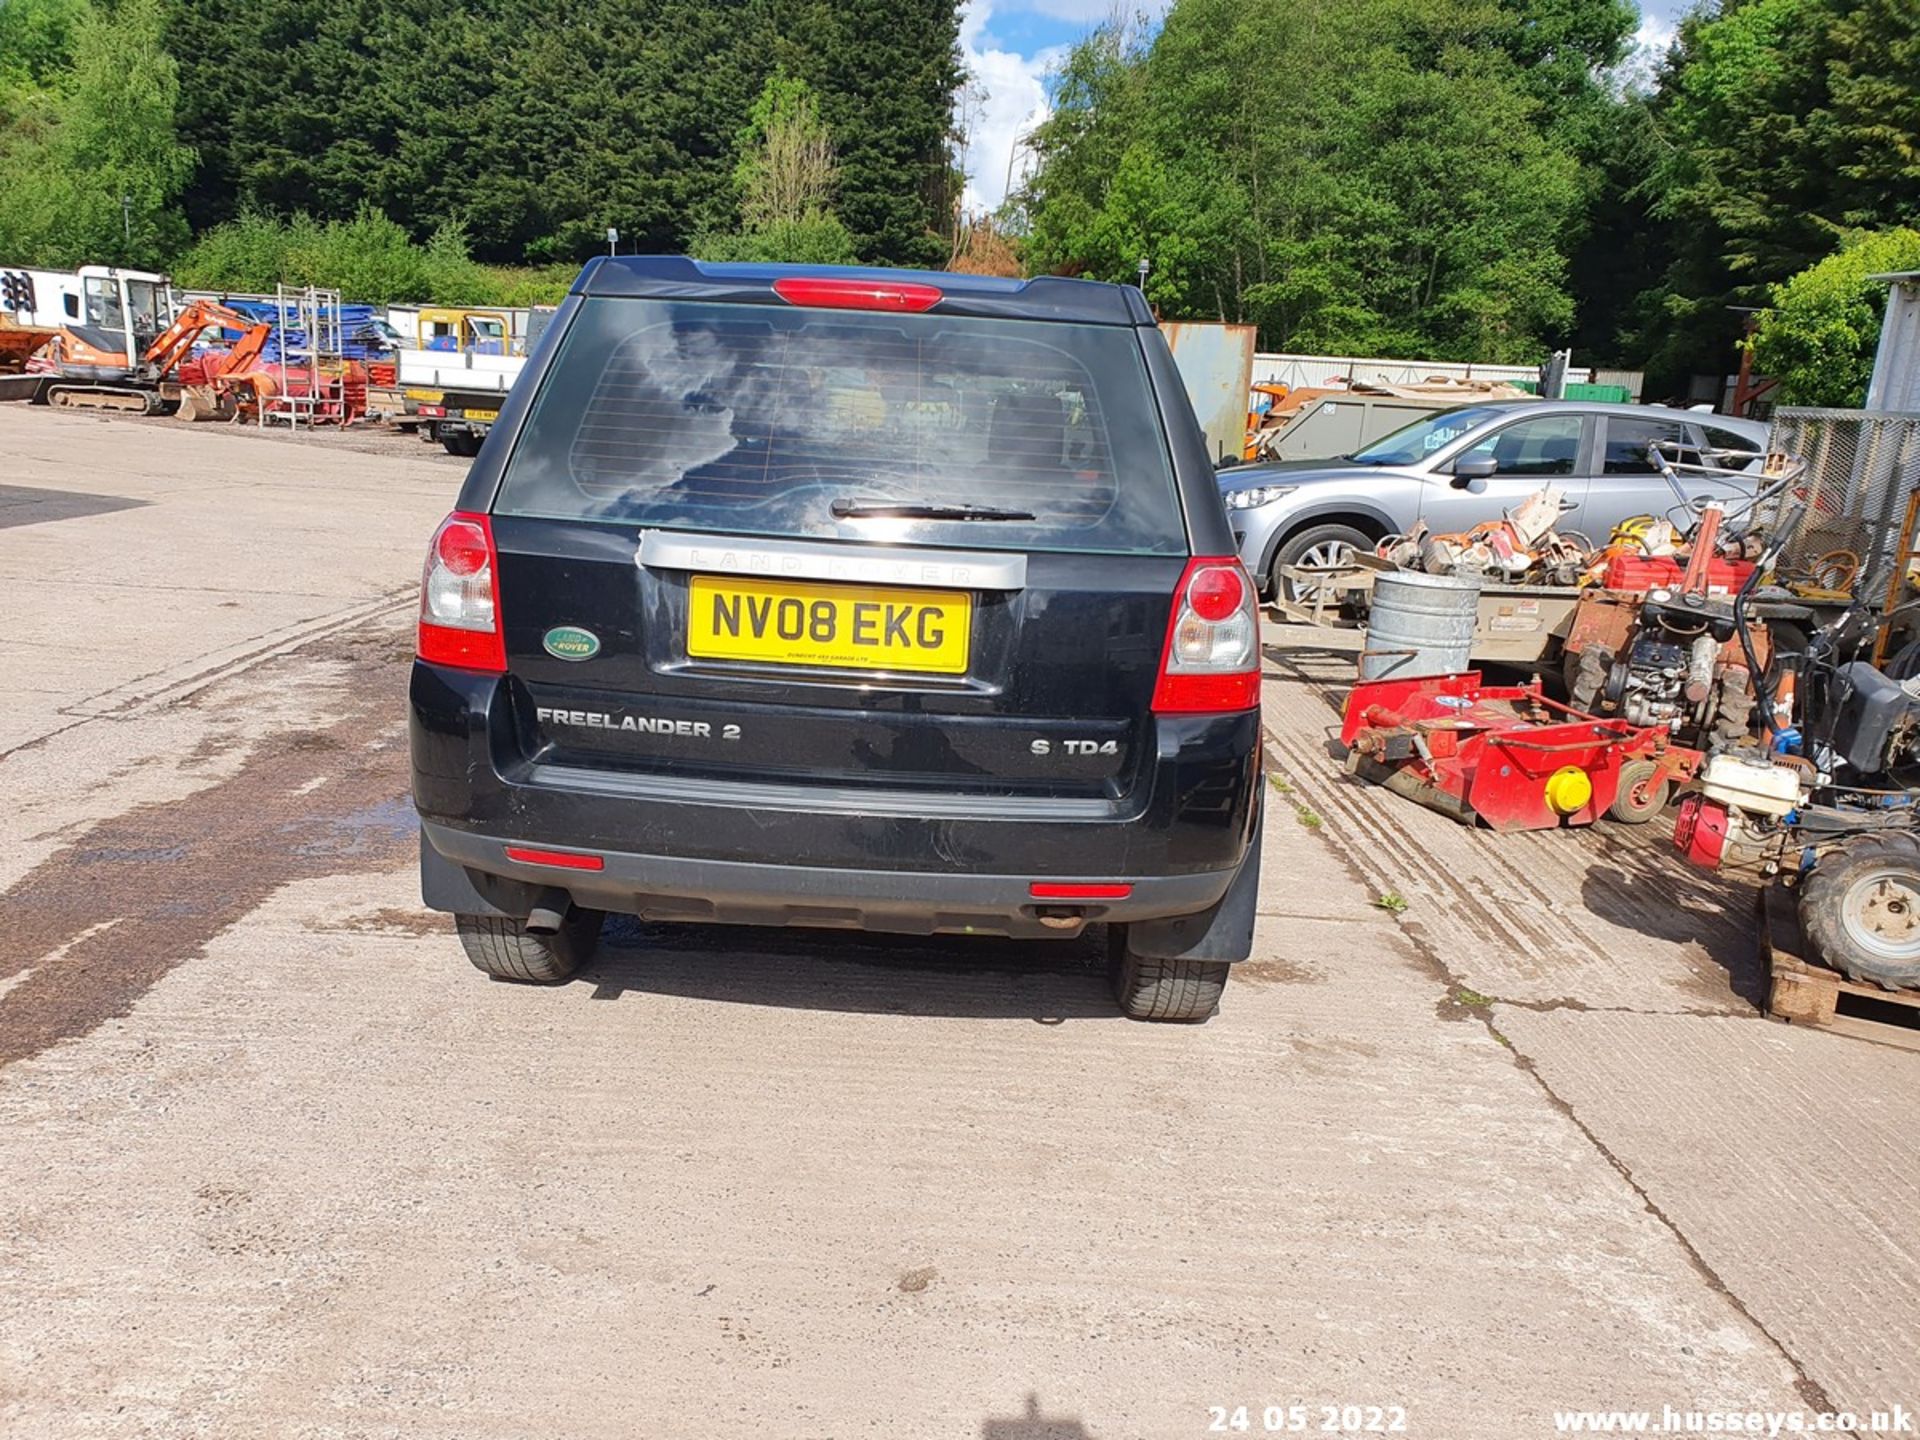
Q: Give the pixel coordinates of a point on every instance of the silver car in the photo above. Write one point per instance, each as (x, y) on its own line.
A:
(1456, 468)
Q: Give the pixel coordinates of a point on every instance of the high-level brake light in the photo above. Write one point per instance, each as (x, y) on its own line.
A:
(460, 597)
(838, 293)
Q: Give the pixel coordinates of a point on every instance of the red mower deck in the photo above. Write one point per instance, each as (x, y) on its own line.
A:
(1507, 755)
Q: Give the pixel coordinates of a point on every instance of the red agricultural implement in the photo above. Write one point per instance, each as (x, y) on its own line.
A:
(1507, 755)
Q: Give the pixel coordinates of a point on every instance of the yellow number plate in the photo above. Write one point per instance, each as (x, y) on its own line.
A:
(852, 627)
(480, 414)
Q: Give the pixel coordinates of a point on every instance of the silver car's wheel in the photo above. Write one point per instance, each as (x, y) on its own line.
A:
(1318, 547)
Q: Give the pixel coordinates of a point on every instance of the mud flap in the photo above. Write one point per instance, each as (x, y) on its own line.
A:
(457, 890)
(1224, 932)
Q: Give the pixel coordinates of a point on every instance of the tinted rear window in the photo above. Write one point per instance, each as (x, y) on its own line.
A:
(755, 419)
(1630, 445)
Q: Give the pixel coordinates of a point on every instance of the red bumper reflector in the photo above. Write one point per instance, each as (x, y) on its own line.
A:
(1058, 890)
(560, 859)
(838, 294)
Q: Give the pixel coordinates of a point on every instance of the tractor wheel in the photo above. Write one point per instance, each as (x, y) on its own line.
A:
(1860, 910)
(1641, 796)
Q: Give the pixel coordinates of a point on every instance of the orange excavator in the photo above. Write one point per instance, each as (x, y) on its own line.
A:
(92, 373)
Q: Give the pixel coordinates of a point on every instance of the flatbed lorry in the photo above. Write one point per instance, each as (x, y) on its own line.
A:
(452, 387)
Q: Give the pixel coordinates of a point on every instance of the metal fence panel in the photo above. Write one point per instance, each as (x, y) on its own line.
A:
(1896, 363)
(1861, 467)
(1216, 364)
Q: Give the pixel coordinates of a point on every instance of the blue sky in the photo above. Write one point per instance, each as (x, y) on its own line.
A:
(1010, 44)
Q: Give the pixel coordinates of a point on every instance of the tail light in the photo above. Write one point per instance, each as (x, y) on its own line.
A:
(1211, 663)
(460, 597)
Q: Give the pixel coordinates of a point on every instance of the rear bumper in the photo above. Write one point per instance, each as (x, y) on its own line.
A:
(773, 853)
(469, 873)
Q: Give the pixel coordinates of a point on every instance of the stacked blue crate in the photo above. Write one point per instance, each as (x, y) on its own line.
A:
(360, 338)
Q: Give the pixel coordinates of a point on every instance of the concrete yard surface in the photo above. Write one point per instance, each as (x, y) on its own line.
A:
(279, 1162)
(1784, 1158)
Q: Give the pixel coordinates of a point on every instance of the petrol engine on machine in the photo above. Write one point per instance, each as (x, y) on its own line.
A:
(1671, 659)
(1737, 817)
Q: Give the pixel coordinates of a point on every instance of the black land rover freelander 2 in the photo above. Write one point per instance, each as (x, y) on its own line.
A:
(877, 599)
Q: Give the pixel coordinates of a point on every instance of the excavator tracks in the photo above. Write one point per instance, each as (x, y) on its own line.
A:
(105, 397)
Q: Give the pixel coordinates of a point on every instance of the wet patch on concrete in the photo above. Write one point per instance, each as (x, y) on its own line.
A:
(31, 505)
(172, 876)
(915, 1281)
(1276, 972)
(388, 921)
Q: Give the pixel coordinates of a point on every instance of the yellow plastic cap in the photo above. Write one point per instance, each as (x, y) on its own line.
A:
(1569, 789)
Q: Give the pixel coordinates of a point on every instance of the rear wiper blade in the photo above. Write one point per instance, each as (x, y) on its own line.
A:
(919, 510)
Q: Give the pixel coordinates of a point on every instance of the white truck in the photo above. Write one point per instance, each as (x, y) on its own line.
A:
(457, 373)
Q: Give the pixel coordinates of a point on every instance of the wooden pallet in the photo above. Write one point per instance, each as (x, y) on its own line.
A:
(1804, 993)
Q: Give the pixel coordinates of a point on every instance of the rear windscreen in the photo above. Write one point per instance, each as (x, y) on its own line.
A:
(763, 419)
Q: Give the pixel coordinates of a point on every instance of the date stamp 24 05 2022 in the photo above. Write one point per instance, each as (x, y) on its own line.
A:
(1294, 1419)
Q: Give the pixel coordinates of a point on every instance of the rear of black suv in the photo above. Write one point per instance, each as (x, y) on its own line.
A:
(873, 599)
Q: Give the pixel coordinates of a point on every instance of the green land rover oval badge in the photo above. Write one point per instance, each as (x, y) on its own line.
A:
(570, 642)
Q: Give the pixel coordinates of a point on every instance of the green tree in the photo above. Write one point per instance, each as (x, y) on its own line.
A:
(91, 168)
(885, 72)
(605, 112)
(369, 258)
(786, 177)
(1818, 336)
(1784, 124)
(536, 124)
(1385, 179)
(1570, 54)
(36, 38)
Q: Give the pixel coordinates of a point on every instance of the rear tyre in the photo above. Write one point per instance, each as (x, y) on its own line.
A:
(1860, 911)
(465, 446)
(1905, 664)
(1181, 991)
(1317, 545)
(1640, 797)
(502, 948)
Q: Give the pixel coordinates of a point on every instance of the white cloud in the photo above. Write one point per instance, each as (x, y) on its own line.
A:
(1086, 12)
(1650, 45)
(1655, 34)
(1015, 101)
